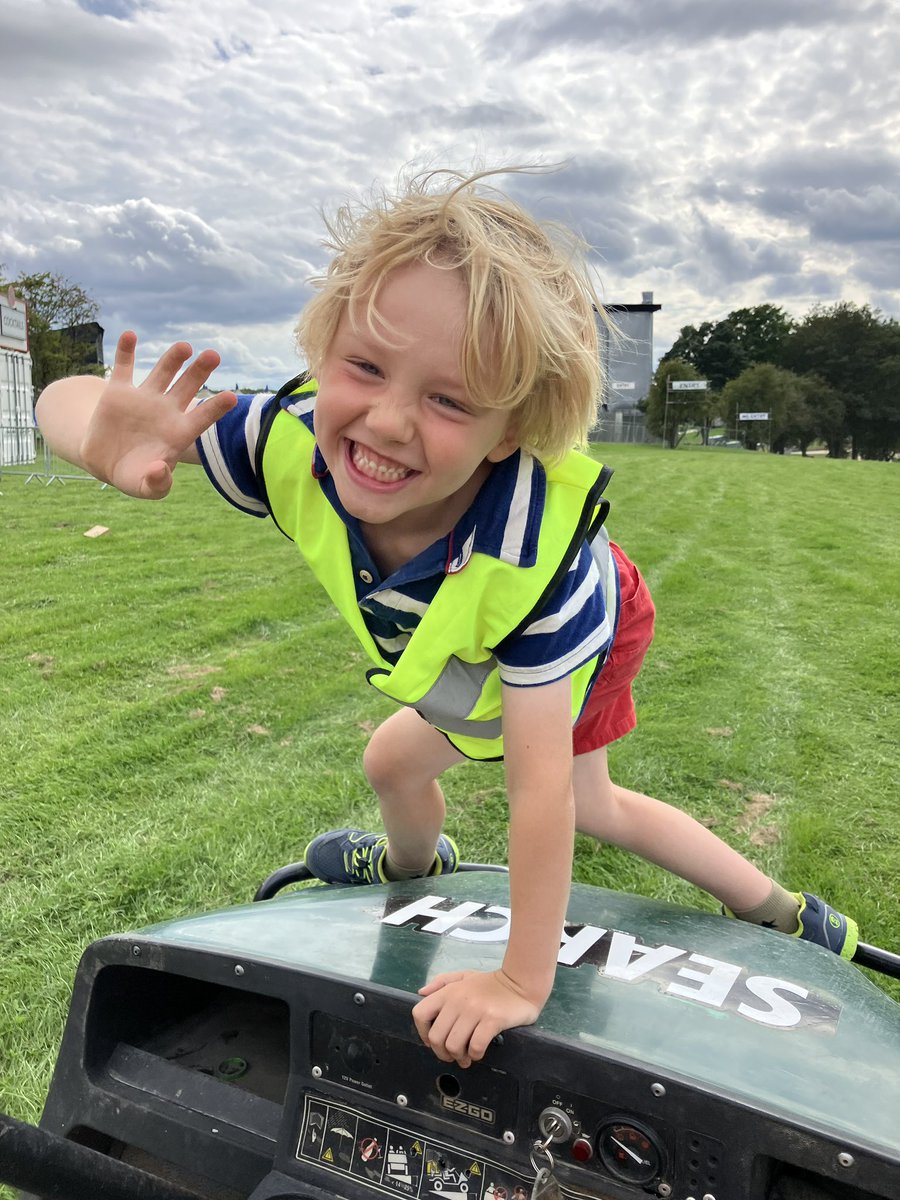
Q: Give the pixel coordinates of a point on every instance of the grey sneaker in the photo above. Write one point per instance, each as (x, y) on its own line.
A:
(352, 856)
(822, 924)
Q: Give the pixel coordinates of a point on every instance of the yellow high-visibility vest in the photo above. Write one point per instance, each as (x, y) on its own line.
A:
(447, 670)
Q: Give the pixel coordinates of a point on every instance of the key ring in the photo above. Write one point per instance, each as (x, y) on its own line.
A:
(541, 1148)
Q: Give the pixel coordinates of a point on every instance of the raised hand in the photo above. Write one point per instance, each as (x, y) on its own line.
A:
(137, 433)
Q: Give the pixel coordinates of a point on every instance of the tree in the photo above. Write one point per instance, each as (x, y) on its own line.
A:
(664, 415)
(857, 353)
(721, 350)
(688, 346)
(55, 304)
(827, 411)
(801, 408)
(761, 332)
(767, 388)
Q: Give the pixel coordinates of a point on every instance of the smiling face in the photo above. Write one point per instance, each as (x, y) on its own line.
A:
(405, 448)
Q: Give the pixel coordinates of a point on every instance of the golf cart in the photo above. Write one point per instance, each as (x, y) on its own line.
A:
(266, 1052)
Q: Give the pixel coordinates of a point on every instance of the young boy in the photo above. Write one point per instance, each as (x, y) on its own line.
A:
(424, 470)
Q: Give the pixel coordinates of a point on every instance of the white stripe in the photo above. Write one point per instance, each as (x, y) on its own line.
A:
(304, 404)
(612, 590)
(396, 600)
(251, 426)
(517, 517)
(573, 606)
(560, 667)
(392, 645)
(216, 462)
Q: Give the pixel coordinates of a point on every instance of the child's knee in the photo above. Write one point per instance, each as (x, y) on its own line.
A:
(385, 760)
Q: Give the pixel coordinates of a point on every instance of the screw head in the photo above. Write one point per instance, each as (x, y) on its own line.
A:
(239, 970)
(509, 1137)
(316, 1072)
(136, 951)
(402, 1100)
(359, 998)
(657, 1089)
(845, 1159)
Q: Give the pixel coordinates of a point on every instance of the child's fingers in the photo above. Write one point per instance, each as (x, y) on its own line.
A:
(206, 414)
(439, 981)
(123, 366)
(433, 1025)
(450, 1036)
(167, 367)
(186, 387)
(157, 481)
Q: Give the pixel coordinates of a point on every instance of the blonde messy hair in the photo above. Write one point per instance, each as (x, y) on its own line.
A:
(530, 343)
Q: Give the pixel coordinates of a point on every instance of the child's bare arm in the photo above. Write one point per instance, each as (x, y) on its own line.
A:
(463, 1011)
(127, 435)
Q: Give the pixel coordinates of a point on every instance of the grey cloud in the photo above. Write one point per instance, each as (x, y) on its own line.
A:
(832, 167)
(880, 268)
(43, 41)
(842, 195)
(657, 233)
(590, 194)
(163, 267)
(812, 287)
(120, 9)
(737, 259)
(682, 22)
(488, 116)
(843, 217)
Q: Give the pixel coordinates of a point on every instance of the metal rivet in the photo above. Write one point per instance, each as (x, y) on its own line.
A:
(215, 1130)
(664, 1189)
(239, 970)
(316, 1072)
(509, 1137)
(657, 1089)
(402, 1100)
(366, 576)
(136, 951)
(708, 1196)
(845, 1159)
(358, 998)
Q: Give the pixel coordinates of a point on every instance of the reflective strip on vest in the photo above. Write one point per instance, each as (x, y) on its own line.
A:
(458, 688)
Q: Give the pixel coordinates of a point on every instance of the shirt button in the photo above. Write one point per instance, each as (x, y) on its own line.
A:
(366, 576)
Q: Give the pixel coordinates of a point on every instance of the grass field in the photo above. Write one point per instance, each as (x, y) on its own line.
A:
(180, 708)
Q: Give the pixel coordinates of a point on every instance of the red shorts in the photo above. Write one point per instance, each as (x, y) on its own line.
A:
(609, 711)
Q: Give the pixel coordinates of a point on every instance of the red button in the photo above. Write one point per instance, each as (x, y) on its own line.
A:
(582, 1150)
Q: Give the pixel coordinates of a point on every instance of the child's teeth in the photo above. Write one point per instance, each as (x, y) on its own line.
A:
(377, 470)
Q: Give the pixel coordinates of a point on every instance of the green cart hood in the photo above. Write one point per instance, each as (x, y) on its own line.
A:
(769, 1021)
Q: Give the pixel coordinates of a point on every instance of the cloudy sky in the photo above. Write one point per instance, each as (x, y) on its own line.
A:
(174, 157)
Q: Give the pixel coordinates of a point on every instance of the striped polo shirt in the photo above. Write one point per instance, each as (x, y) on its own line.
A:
(504, 521)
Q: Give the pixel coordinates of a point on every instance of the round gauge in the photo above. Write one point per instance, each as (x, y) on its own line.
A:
(630, 1151)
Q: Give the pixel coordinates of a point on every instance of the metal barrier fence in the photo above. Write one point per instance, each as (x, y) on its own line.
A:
(627, 425)
(23, 452)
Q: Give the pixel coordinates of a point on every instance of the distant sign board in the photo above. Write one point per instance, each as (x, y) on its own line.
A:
(689, 385)
(753, 416)
(623, 386)
(13, 326)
